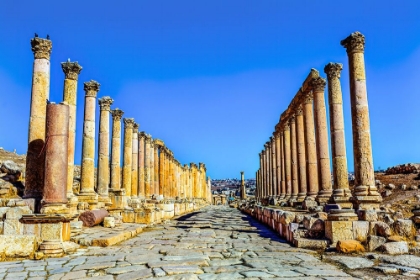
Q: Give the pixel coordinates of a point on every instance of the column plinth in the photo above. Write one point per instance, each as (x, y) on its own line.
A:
(40, 93)
(87, 185)
(365, 192)
(341, 193)
(71, 71)
(103, 171)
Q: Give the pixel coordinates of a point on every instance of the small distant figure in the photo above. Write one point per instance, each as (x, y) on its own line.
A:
(48, 37)
(36, 35)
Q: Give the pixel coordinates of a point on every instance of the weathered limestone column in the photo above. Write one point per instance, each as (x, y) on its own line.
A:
(273, 166)
(168, 184)
(287, 160)
(365, 192)
(103, 172)
(278, 163)
(135, 163)
(116, 149)
(127, 155)
(141, 177)
(300, 135)
(71, 71)
(156, 167)
(187, 181)
(35, 160)
(261, 180)
(55, 187)
(270, 167)
(147, 169)
(266, 174)
(243, 191)
(283, 165)
(162, 171)
(294, 159)
(341, 194)
(152, 168)
(321, 134)
(310, 147)
(87, 184)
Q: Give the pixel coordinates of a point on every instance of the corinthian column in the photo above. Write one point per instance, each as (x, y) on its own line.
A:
(156, 168)
(71, 71)
(266, 172)
(283, 167)
(278, 163)
(103, 173)
(287, 160)
(116, 149)
(293, 148)
(162, 171)
(273, 166)
(127, 155)
(365, 191)
(135, 163)
(147, 169)
(341, 193)
(261, 192)
(321, 133)
(87, 185)
(300, 135)
(152, 168)
(35, 160)
(141, 178)
(311, 163)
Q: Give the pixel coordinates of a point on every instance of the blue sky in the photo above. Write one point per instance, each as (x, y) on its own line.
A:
(211, 78)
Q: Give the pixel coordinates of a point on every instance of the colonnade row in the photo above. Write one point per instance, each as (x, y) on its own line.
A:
(149, 169)
(295, 162)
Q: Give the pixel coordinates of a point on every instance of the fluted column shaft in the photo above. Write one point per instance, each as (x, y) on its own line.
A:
(311, 159)
(103, 172)
(300, 135)
(116, 149)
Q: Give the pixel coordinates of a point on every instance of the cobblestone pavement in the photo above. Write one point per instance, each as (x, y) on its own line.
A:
(214, 243)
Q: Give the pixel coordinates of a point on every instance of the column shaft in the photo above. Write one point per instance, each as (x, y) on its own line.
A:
(283, 167)
(127, 155)
(294, 159)
(141, 178)
(278, 163)
(273, 166)
(135, 162)
(116, 149)
(300, 135)
(287, 160)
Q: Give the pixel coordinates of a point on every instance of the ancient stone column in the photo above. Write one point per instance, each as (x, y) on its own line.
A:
(156, 168)
(135, 163)
(187, 181)
(141, 177)
(147, 169)
(266, 174)
(127, 155)
(274, 166)
(35, 160)
(87, 184)
(55, 186)
(365, 192)
(162, 171)
(278, 163)
(103, 172)
(116, 149)
(310, 146)
(71, 71)
(152, 168)
(243, 191)
(300, 135)
(283, 166)
(341, 193)
(287, 160)
(261, 180)
(321, 134)
(294, 159)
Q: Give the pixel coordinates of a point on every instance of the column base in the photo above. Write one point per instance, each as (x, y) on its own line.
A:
(301, 197)
(90, 198)
(342, 215)
(104, 199)
(366, 191)
(52, 248)
(52, 209)
(343, 201)
(367, 202)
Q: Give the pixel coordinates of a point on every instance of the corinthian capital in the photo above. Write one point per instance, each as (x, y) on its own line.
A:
(117, 114)
(135, 126)
(71, 69)
(41, 48)
(105, 103)
(318, 84)
(299, 110)
(128, 123)
(333, 70)
(354, 43)
(91, 88)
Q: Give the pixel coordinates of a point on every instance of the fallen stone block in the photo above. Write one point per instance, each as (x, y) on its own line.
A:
(374, 242)
(395, 248)
(404, 228)
(317, 244)
(349, 246)
(17, 246)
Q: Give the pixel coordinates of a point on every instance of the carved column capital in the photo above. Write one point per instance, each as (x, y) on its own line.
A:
(308, 98)
(41, 48)
(105, 103)
(141, 134)
(148, 138)
(128, 122)
(333, 70)
(117, 114)
(299, 110)
(354, 43)
(291, 119)
(71, 69)
(136, 126)
(91, 88)
(318, 84)
(286, 126)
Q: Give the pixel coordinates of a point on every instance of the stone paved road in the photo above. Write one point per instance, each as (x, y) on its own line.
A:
(215, 243)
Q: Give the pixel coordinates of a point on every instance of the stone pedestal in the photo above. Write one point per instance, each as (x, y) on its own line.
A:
(103, 171)
(87, 184)
(71, 71)
(35, 159)
(366, 195)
